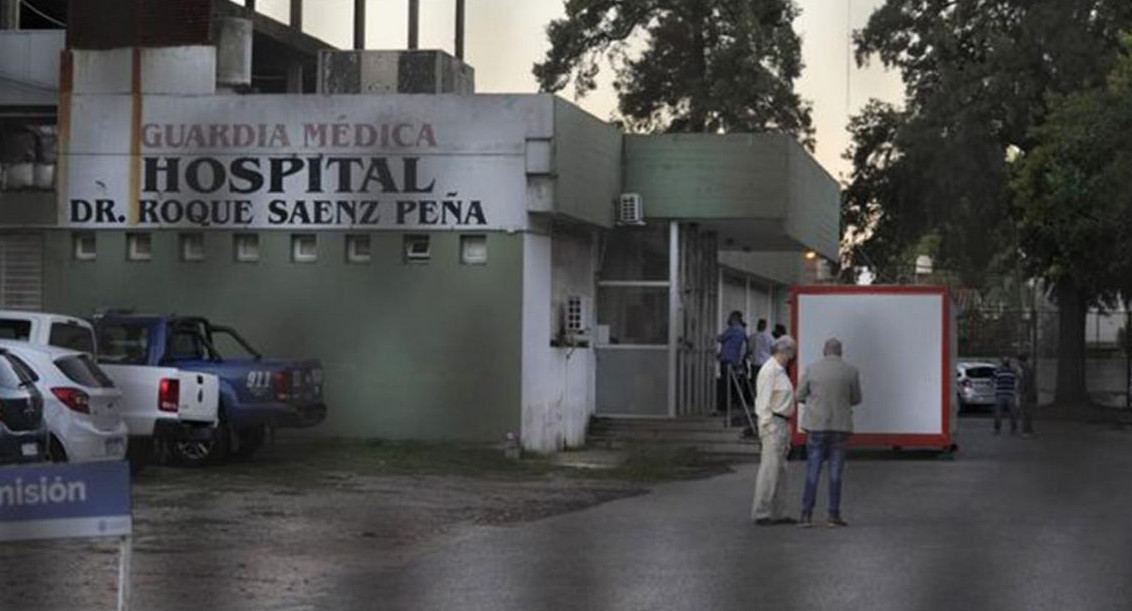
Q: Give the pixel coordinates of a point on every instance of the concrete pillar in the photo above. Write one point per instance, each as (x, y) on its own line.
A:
(9, 14)
(414, 23)
(295, 78)
(297, 14)
(460, 29)
(359, 24)
(250, 5)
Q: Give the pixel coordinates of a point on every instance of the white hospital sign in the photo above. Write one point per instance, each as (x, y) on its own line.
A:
(291, 162)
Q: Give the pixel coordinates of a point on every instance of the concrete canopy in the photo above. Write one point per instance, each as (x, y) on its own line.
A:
(759, 192)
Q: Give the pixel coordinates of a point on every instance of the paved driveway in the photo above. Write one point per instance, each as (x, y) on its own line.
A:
(1012, 524)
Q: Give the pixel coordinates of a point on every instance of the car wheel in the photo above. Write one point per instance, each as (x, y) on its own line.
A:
(193, 453)
(250, 441)
(55, 451)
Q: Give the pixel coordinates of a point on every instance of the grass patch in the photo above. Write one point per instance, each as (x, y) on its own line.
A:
(332, 463)
(658, 464)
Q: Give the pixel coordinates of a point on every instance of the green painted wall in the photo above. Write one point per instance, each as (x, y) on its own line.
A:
(783, 267)
(737, 177)
(411, 350)
(587, 165)
(709, 176)
(27, 208)
(814, 215)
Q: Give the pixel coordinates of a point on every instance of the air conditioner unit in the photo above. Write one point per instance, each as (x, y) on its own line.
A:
(576, 317)
(630, 209)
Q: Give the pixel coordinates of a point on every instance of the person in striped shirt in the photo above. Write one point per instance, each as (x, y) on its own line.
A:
(1005, 396)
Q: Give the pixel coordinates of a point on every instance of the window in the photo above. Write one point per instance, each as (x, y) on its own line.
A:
(85, 247)
(123, 345)
(72, 336)
(19, 330)
(139, 247)
(358, 249)
(304, 248)
(9, 376)
(192, 247)
(636, 254)
(634, 315)
(246, 247)
(473, 249)
(417, 249)
(23, 409)
(82, 370)
(187, 343)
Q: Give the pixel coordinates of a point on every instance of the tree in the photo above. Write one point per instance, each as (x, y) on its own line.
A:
(707, 65)
(980, 76)
(1075, 191)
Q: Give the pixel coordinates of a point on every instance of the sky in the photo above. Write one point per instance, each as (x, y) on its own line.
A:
(505, 37)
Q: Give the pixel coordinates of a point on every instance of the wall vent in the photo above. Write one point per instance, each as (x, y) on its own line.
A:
(630, 209)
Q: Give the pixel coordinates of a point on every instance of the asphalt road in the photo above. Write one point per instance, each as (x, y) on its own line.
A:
(1011, 524)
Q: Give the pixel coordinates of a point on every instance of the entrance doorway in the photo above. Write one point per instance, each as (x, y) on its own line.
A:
(656, 304)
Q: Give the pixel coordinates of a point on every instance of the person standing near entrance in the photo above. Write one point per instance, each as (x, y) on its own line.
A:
(779, 331)
(760, 344)
(829, 389)
(1005, 389)
(1027, 395)
(774, 405)
(732, 353)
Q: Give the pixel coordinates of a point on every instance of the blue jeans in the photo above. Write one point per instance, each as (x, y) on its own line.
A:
(820, 447)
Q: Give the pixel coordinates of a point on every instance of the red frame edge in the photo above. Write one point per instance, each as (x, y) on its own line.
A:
(911, 440)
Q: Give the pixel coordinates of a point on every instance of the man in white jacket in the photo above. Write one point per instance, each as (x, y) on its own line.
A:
(774, 405)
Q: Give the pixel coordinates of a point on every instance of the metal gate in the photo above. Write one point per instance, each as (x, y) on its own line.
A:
(21, 271)
(696, 345)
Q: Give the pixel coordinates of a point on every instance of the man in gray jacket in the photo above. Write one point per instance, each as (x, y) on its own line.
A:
(829, 389)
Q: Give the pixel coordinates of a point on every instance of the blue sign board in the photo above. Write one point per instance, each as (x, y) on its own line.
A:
(64, 501)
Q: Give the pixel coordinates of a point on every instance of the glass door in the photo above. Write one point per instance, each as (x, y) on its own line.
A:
(634, 307)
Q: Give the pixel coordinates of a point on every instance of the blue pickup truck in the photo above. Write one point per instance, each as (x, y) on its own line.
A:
(256, 393)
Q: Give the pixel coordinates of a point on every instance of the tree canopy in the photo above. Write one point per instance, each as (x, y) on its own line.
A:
(997, 152)
(979, 75)
(1074, 189)
(706, 65)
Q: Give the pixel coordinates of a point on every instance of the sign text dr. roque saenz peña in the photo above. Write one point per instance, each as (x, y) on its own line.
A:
(234, 187)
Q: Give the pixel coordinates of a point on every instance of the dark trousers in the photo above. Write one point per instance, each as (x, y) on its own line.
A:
(1008, 404)
(1027, 413)
(822, 446)
(726, 387)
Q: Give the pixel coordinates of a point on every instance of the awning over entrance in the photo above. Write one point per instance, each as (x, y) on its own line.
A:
(757, 192)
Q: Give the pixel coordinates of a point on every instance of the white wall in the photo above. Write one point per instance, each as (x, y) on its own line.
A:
(558, 383)
(32, 56)
(896, 341)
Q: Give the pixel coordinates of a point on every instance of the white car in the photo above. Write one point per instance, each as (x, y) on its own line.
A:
(976, 384)
(161, 404)
(81, 404)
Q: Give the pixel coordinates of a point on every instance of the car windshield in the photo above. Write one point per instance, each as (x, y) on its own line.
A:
(10, 375)
(82, 370)
(19, 330)
(980, 372)
(225, 341)
(72, 336)
(123, 344)
(187, 343)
